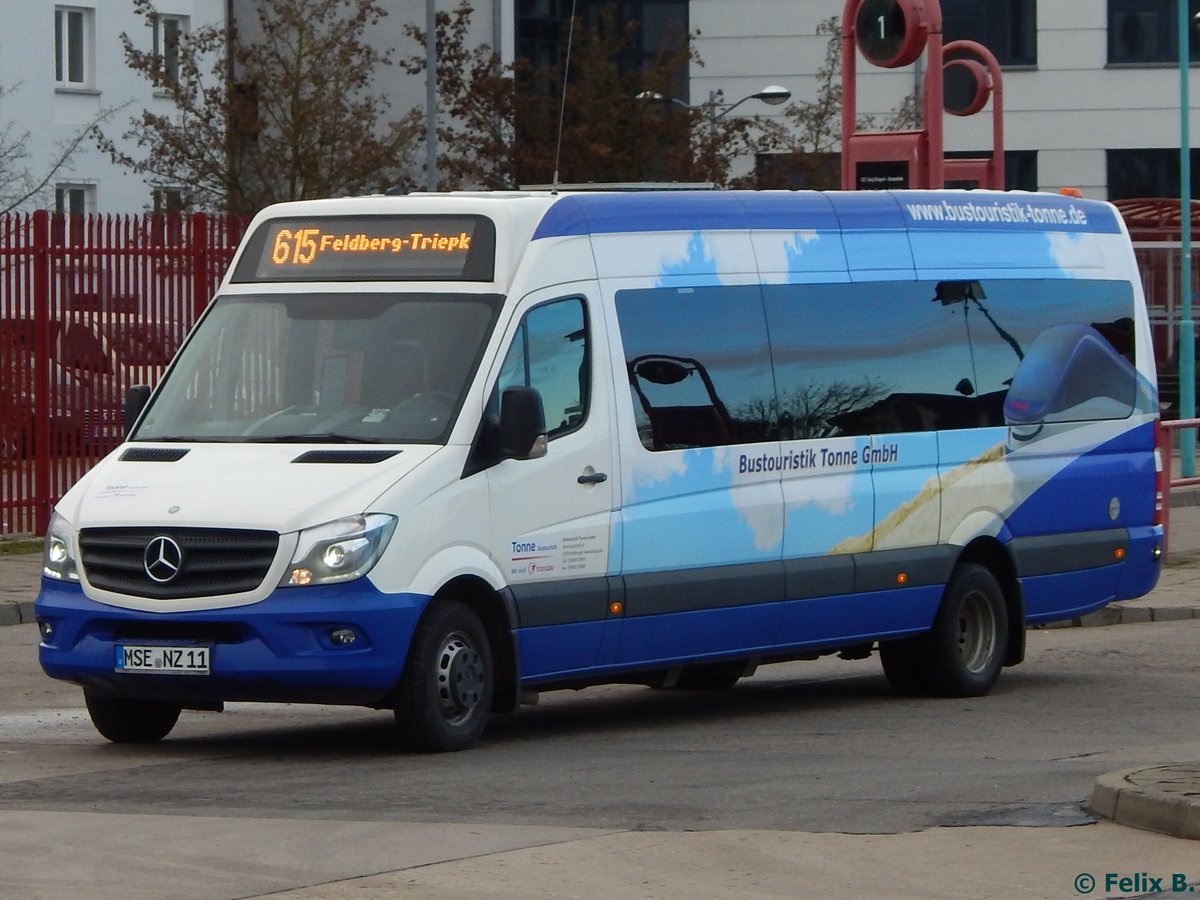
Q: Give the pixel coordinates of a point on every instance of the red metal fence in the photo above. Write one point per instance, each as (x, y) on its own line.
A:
(89, 305)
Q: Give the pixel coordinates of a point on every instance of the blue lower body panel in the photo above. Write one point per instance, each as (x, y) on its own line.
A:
(276, 650)
(1065, 595)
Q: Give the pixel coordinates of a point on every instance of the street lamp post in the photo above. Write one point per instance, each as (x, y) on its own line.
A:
(1187, 326)
(431, 111)
(772, 95)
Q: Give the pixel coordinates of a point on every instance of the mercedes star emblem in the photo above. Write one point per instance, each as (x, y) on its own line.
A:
(163, 559)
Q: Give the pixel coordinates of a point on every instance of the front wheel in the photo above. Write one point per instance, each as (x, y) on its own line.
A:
(445, 694)
(964, 651)
(125, 721)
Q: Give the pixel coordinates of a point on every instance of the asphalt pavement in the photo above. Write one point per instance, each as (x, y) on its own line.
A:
(1164, 798)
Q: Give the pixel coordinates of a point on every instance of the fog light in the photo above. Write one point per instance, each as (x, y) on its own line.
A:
(342, 637)
(46, 627)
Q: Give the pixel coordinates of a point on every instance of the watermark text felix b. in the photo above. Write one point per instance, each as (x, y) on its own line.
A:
(1137, 883)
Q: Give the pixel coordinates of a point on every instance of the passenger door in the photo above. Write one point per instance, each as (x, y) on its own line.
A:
(701, 518)
(551, 517)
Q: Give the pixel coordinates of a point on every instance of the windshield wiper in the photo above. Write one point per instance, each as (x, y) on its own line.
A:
(327, 437)
(179, 439)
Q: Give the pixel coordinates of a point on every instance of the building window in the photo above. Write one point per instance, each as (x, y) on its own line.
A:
(1135, 174)
(166, 224)
(1147, 31)
(74, 42)
(167, 32)
(72, 202)
(170, 200)
(1020, 169)
(661, 26)
(74, 199)
(1006, 27)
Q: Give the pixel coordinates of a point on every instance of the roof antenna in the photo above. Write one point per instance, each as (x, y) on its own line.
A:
(562, 106)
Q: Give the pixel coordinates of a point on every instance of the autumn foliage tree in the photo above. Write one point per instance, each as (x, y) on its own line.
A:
(289, 114)
(502, 126)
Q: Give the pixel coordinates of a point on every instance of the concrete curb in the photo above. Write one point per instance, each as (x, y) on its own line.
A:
(18, 613)
(1165, 799)
(1117, 614)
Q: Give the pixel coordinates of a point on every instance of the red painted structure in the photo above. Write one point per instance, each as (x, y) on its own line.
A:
(89, 305)
(914, 159)
(988, 171)
(1153, 224)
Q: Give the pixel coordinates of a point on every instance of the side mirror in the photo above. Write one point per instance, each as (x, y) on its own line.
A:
(522, 424)
(135, 402)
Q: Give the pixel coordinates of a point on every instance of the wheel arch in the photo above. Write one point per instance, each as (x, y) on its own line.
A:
(996, 558)
(495, 611)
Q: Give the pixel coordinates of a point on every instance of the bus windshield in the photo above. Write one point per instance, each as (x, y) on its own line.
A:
(324, 368)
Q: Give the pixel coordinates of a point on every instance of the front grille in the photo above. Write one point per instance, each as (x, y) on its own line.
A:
(212, 561)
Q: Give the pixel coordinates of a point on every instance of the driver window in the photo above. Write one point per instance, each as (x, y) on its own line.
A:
(550, 353)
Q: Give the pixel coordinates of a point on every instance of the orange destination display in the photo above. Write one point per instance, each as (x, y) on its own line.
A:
(382, 248)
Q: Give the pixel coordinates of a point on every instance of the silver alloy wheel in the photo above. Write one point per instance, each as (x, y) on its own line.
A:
(461, 676)
(976, 632)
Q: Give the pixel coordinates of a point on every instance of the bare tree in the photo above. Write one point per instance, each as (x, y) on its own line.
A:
(810, 410)
(24, 180)
(290, 115)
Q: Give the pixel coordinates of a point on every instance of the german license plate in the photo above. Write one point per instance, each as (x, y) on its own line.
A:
(164, 660)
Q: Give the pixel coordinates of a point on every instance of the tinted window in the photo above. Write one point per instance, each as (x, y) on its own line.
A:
(1070, 343)
(873, 358)
(869, 358)
(698, 364)
(550, 353)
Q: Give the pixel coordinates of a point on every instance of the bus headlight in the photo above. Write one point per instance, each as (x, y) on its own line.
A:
(341, 550)
(58, 552)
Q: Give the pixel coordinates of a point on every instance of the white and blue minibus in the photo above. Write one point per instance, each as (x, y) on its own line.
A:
(436, 453)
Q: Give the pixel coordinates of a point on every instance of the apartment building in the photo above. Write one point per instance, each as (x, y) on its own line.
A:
(63, 68)
(1091, 87)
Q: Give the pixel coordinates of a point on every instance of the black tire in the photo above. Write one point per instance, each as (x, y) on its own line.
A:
(964, 651)
(445, 693)
(125, 721)
(902, 665)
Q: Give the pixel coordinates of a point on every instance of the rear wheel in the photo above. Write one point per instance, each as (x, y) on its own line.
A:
(445, 694)
(125, 721)
(964, 651)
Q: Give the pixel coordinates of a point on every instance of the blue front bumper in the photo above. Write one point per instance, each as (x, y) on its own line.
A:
(278, 649)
